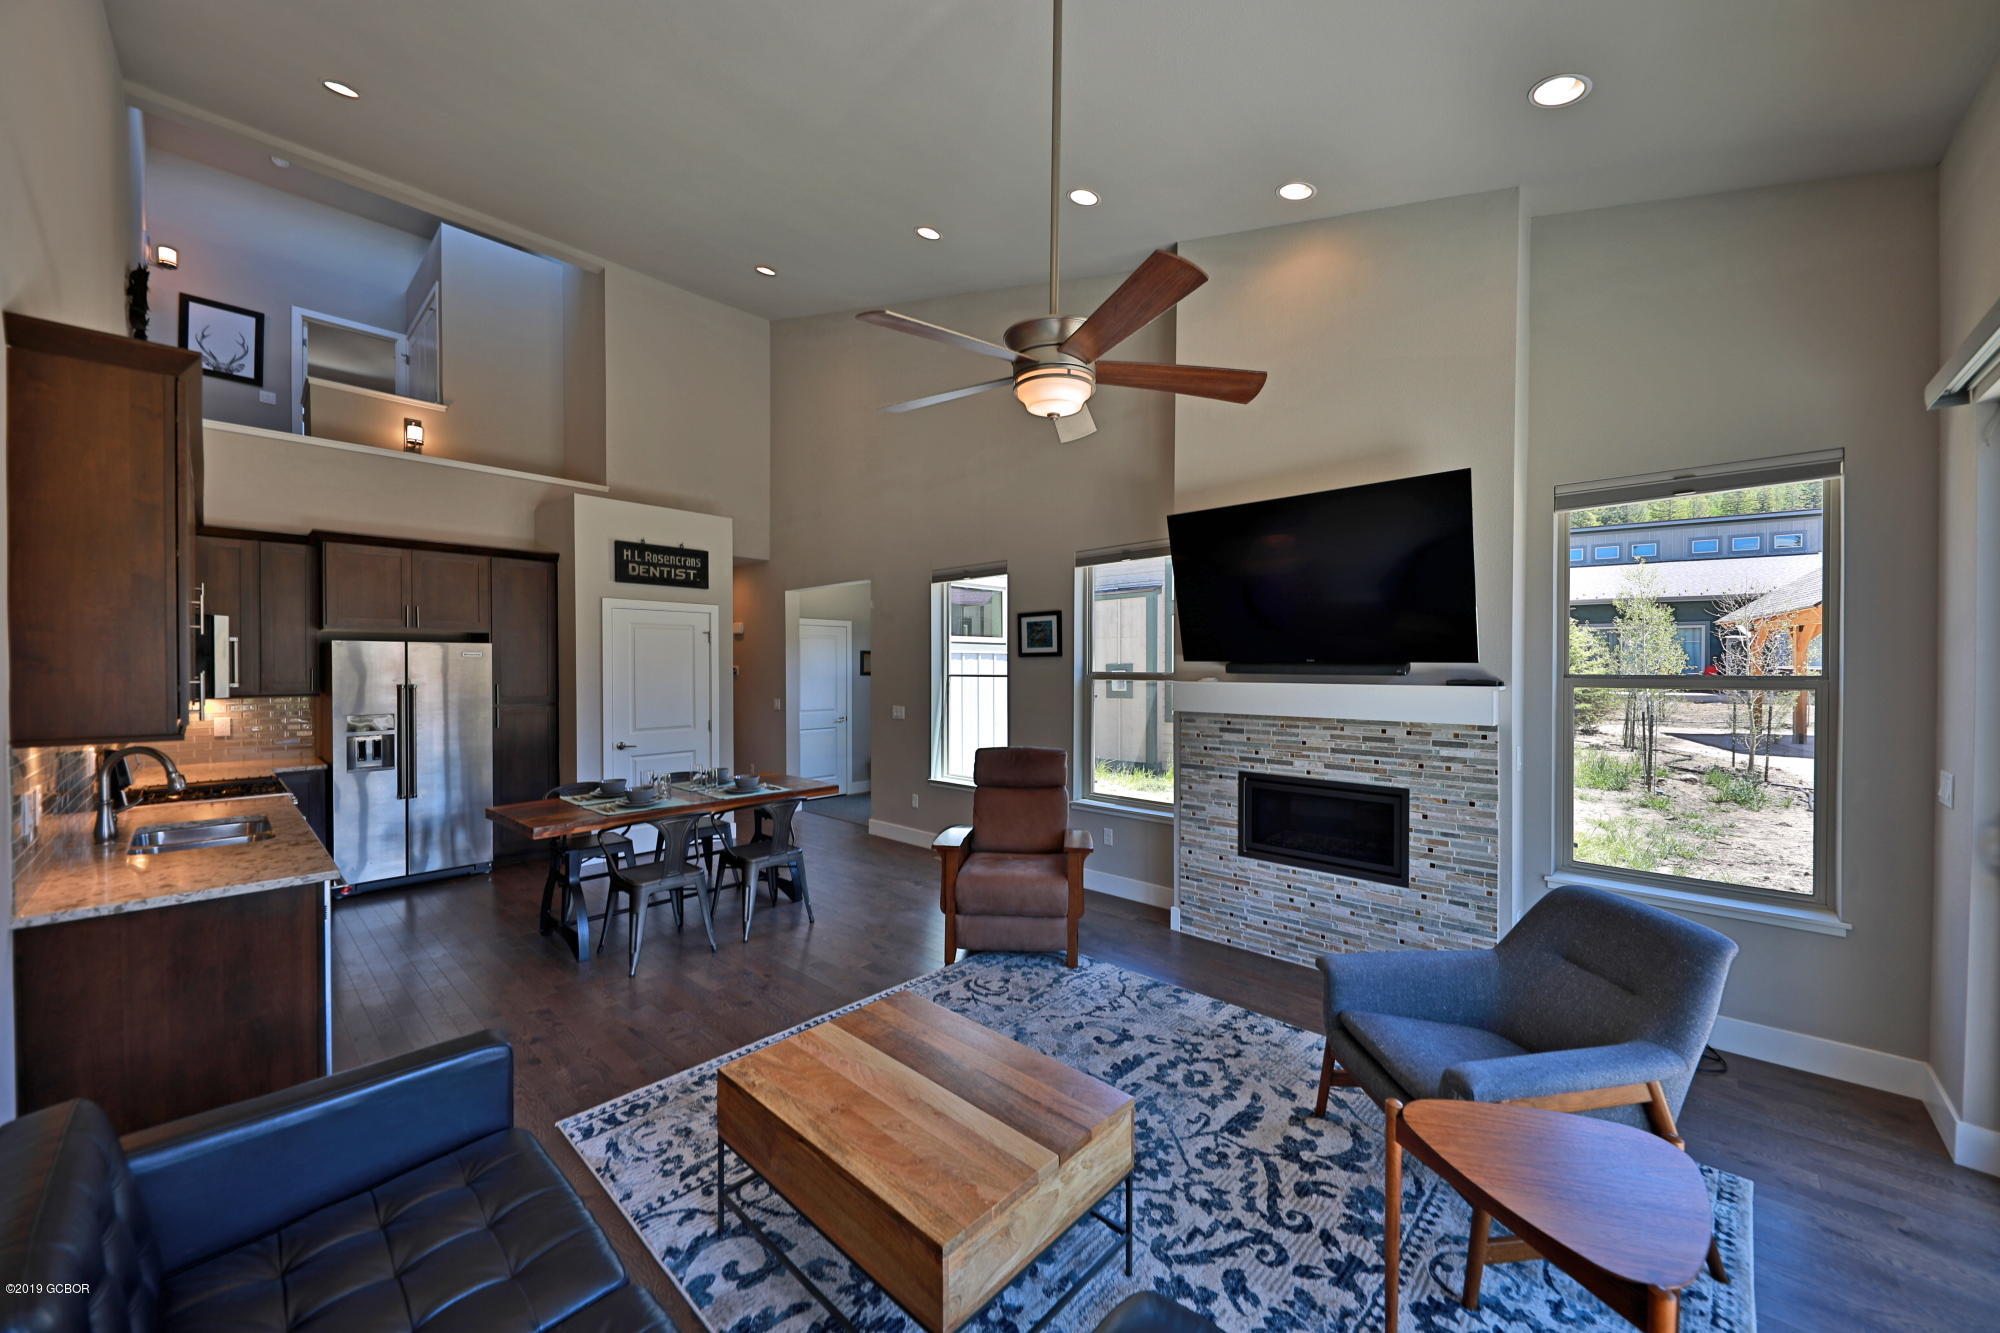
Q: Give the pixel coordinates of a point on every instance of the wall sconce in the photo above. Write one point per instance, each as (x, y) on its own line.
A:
(166, 256)
(413, 435)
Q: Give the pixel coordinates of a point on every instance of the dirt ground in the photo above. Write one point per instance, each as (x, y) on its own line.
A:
(1696, 834)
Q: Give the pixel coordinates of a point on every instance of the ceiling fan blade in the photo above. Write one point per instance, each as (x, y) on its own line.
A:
(1148, 293)
(1075, 426)
(949, 394)
(965, 342)
(1231, 386)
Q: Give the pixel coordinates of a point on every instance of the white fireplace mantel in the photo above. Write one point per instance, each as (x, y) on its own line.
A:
(1445, 705)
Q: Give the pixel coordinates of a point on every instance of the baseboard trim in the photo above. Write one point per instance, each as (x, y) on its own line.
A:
(855, 788)
(915, 837)
(1968, 1145)
(1132, 890)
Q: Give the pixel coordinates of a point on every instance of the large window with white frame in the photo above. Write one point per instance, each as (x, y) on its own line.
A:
(969, 648)
(1127, 720)
(1699, 697)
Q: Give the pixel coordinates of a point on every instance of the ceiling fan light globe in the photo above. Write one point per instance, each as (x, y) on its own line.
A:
(1054, 391)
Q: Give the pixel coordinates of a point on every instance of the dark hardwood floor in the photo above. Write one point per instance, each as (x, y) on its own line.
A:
(1862, 1222)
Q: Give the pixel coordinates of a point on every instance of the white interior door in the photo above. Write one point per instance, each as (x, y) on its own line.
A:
(659, 688)
(826, 665)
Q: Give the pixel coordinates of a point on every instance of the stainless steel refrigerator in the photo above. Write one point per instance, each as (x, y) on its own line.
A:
(413, 757)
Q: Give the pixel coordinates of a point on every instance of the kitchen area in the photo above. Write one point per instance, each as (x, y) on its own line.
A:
(218, 733)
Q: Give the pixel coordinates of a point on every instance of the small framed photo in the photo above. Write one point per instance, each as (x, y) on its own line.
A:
(867, 661)
(1038, 634)
(229, 338)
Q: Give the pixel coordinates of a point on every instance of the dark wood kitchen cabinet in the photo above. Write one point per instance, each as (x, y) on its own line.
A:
(524, 687)
(266, 588)
(103, 490)
(288, 618)
(379, 587)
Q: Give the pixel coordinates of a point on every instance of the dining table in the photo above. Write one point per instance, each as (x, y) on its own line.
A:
(559, 818)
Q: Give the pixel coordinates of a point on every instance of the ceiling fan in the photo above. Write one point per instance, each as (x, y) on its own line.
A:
(1055, 358)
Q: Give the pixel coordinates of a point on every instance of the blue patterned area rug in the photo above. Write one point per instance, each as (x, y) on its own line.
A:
(1248, 1209)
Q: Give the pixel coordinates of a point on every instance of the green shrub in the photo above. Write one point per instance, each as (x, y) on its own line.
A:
(1735, 788)
(1600, 770)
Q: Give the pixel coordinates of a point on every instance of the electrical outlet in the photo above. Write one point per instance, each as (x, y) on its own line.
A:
(1945, 785)
(777, 705)
(913, 800)
(267, 397)
(1107, 835)
(223, 727)
(896, 712)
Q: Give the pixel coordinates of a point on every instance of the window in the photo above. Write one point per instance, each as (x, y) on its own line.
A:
(1645, 550)
(1789, 541)
(1126, 716)
(1705, 545)
(1699, 733)
(1746, 543)
(1575, 553)
(1604, 553)
(969, 703)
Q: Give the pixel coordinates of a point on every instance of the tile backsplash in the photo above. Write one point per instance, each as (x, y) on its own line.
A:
(276, 730)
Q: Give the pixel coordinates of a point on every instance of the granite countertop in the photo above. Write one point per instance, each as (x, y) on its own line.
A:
(73, 877)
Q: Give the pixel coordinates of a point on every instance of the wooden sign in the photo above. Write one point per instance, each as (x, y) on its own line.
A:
(675, 566)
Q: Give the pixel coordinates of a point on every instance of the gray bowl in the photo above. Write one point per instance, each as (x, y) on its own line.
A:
(746, 782)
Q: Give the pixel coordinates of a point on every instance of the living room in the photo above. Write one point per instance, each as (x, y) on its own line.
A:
(1612, 284)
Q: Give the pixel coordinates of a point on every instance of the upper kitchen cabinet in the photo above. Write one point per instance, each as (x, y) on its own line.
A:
(524, 630)
(267, 588)
(377, 587)
(103, 487)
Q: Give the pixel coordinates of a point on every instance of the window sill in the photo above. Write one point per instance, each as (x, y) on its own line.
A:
(956, 784)
(1817, 920)
(1150, 813)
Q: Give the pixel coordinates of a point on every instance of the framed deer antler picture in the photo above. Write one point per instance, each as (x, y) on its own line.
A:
(229, 338)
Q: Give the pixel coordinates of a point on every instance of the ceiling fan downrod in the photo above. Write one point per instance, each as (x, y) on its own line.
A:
(1055, 169)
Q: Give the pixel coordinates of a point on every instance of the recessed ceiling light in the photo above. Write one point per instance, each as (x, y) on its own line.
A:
(1087, 198)
(277, 161)
(336, 86)
(1560, 90)
(930, 233)
(767, 270)
(1296, 190)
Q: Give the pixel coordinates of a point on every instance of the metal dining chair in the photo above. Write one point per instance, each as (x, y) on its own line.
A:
(673, 872)
(775, 848)
(713, 834)
(569, 855)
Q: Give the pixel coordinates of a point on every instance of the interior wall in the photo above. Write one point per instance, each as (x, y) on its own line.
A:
(581, 529)
(65, 243)
(856, 494)
(687, 404)
(501, 353)
(855, 604)
(267, 250)
(1746, 325)
(1965, 1009)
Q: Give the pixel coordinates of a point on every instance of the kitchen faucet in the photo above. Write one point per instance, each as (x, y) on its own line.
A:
(108, 803)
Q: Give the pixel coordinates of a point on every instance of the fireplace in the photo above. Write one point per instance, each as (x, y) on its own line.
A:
(1347, 828)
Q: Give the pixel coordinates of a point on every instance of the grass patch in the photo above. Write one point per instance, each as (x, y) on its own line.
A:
(1733, 788)
(1600, 770)
(1136, 781)
(1631, 845)
(1657, 802)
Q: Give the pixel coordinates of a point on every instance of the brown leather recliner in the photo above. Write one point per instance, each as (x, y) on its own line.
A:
(1013, 879)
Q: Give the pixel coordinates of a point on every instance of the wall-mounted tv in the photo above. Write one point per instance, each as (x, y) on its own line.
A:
(1365, 579)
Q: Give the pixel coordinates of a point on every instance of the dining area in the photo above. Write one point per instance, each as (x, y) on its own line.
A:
(669, 841)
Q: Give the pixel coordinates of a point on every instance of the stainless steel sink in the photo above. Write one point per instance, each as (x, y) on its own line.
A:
(199, 833)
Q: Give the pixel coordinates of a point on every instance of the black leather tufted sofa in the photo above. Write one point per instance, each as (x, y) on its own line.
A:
(386, 1199)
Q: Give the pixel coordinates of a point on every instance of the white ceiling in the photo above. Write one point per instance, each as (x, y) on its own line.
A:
(693, 139)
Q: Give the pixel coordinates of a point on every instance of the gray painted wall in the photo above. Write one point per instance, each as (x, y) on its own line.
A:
(854, 603)
(1965, 1031)
(1740, 326)
(65, 243)
(268, 250)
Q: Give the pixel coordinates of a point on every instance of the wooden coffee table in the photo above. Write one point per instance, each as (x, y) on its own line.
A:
(935, 1153)
(1622, 1211)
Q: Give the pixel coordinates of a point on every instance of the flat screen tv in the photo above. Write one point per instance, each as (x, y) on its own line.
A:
(1365, 579)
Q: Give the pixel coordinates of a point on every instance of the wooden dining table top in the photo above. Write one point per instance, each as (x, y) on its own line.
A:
(557, 818)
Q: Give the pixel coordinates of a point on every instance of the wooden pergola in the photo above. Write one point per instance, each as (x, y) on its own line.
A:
(1797, 612)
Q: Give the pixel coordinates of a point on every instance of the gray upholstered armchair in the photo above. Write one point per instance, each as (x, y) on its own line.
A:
(1592, 1003)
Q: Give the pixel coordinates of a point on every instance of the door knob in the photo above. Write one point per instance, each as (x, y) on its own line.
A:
(626, 745)
(840, 719)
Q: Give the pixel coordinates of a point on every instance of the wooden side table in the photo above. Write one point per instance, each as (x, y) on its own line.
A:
(1622, 1211)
